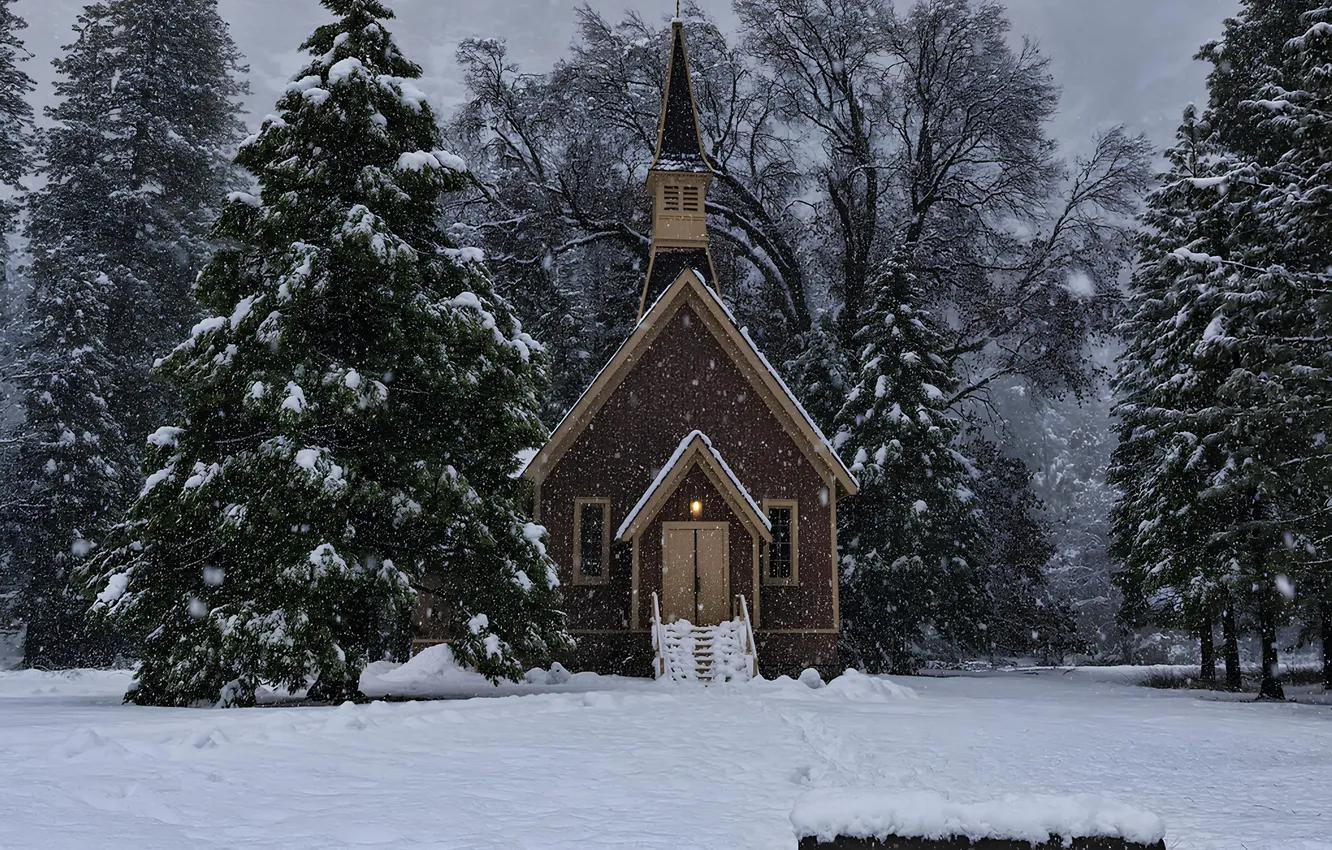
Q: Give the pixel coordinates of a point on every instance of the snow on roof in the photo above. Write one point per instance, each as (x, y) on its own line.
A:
(694, 164)
(876, 813)
(674, 461)
(524, 458)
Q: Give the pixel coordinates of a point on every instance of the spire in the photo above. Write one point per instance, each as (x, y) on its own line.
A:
(678, 181)
(679, 143)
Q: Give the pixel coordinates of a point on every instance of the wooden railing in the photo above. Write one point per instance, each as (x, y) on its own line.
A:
(658, 639)
(751, 648)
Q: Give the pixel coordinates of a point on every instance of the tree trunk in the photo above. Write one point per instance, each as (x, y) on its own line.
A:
(1207, 675)
(1230, 632)
(1271, 683)
(1325, 607)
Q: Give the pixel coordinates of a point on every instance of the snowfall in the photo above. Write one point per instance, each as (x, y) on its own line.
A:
(583, 761)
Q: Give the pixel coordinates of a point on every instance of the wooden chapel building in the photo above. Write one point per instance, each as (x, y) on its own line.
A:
(688, 469)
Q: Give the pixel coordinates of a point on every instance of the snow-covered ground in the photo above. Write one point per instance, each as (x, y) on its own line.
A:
(611, 763)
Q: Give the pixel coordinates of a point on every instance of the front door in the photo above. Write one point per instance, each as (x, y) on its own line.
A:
(695, 578)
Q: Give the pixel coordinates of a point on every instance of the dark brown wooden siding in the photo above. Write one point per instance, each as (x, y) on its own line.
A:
(684, 382)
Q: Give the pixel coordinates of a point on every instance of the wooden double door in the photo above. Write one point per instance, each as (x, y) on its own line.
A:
(695, 572)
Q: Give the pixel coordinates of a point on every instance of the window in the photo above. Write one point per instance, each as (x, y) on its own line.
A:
(784, 553)
(591, 555)
(670, 196)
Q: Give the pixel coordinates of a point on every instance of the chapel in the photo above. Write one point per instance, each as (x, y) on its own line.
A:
(688, 487)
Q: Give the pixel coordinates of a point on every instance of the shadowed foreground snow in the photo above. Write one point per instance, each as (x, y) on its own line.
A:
(637, 764)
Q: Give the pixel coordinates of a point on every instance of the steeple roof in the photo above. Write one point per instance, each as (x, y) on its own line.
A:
(679, 142)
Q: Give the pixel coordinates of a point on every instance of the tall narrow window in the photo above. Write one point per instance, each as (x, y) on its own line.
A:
(591, 541)
(783, 554)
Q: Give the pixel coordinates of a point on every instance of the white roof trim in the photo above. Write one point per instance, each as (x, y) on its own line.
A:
(671, 464)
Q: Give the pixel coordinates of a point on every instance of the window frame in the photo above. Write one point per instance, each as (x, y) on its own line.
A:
(579, 504)
(768, 579)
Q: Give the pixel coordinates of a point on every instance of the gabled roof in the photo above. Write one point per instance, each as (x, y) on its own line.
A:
(679, 140)
(689, 290)
(695, 449)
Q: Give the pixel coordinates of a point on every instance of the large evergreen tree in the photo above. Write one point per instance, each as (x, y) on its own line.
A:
(15, 161)
(1296, 203)
(910, 537)
(1275, 399)
(15, 118)
(1171, 571)
(353, 411)
(133, 167)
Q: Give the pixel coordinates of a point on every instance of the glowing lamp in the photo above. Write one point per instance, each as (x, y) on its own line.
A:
(696, 509)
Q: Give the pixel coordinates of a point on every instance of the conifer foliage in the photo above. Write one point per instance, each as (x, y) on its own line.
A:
(15, 160)
(1311, 107)
(1223, 464)
(133, 166)
(1169, 419)
(353, 408)
(909, 536)
(15, 115)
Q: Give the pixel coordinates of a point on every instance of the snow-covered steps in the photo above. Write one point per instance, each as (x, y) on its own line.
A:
(688, 653)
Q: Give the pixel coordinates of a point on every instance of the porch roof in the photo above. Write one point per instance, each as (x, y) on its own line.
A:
(695, 448)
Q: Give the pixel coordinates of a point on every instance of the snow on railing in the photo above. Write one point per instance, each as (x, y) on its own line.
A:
(684, 652)
(658, 639)
(751, 648)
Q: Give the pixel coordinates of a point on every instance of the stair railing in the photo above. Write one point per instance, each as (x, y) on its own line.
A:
(658, 639)
(751, 648)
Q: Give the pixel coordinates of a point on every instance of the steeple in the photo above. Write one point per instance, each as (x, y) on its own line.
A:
(678, 182)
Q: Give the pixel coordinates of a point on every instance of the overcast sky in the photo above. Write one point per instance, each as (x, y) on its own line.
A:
(1118, 61)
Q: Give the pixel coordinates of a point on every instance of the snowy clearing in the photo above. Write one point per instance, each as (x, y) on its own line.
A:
(632, 763)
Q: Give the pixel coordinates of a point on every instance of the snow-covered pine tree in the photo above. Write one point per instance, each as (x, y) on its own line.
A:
(72, 467)
(15, 118)
(171, 110)
(1161, 530)
(1265, 319)
(15, 161)
(1297, 203)
(910, 535)
(134, 167)
(819, 373)
(1256, 430)
(353, 411)
(1023, 616)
